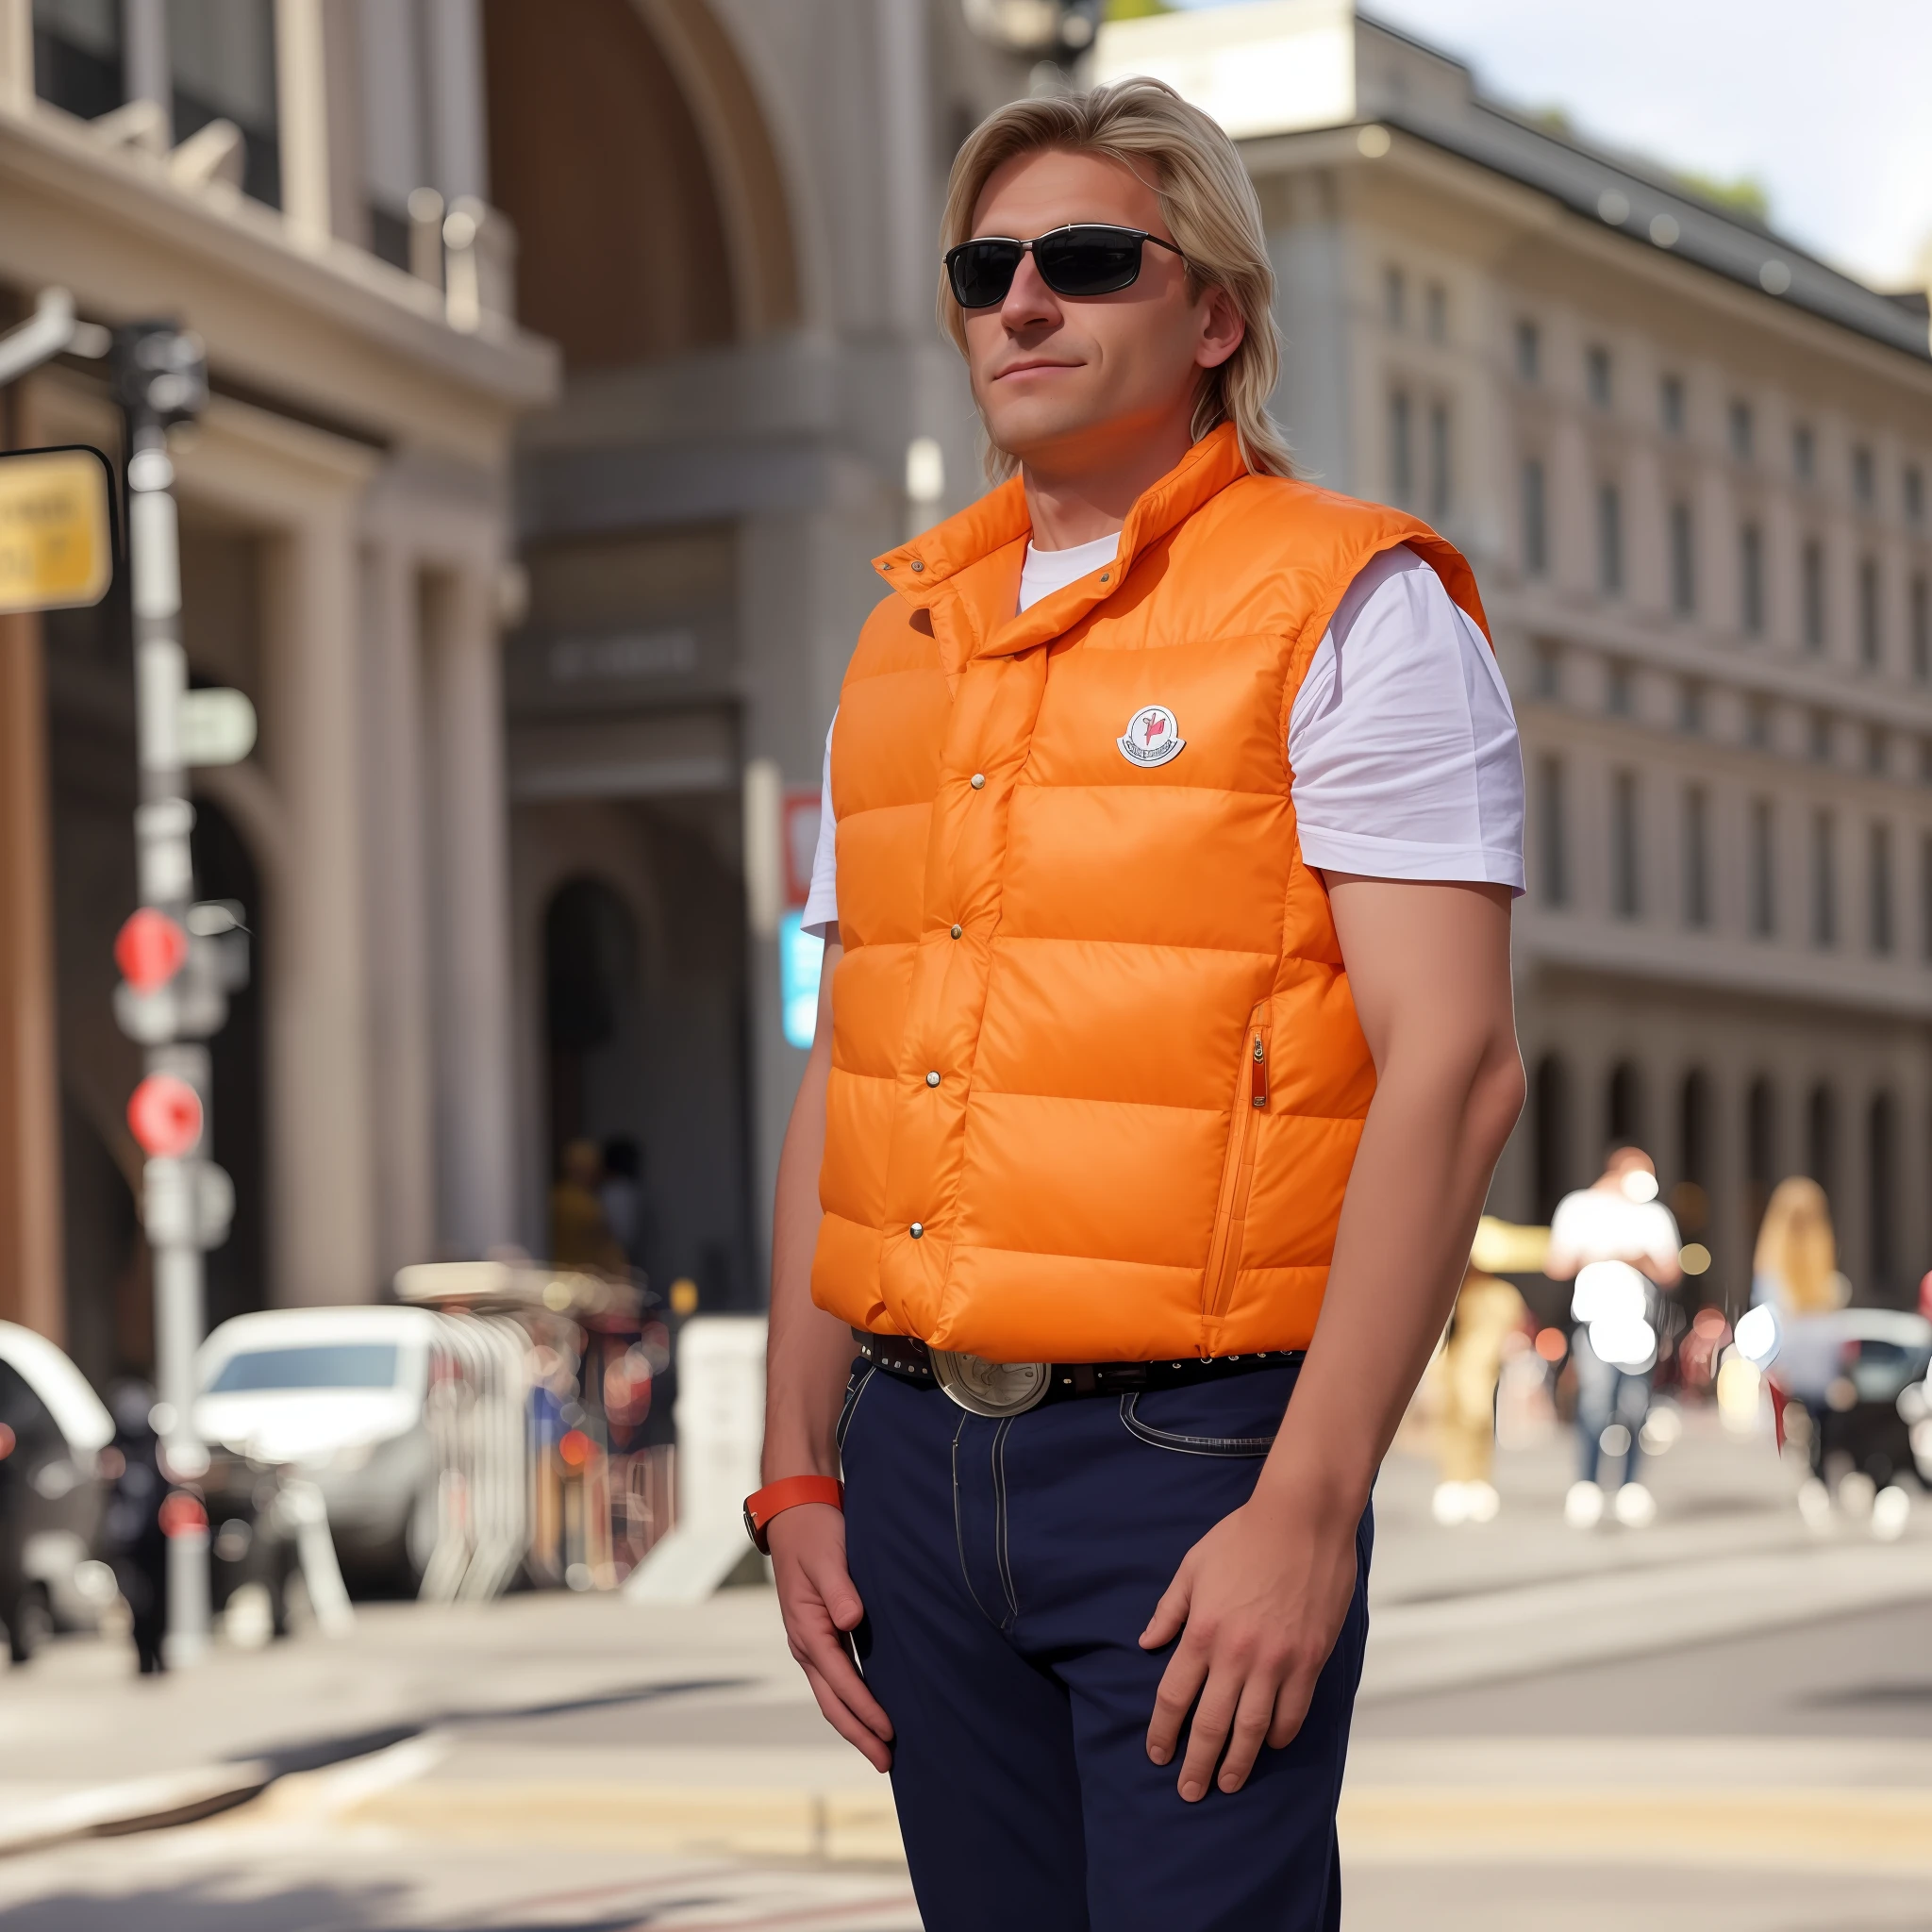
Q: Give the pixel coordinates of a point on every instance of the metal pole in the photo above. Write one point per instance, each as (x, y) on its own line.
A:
(160, 378)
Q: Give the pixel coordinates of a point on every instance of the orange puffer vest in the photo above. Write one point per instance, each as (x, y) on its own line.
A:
(1097, 1080)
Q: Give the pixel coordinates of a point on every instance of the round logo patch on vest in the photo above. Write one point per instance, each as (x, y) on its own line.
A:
(1152, 737)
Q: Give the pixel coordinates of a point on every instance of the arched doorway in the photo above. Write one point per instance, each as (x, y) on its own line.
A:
(1624, 1105)
(1881, 1198)
(1551, 1126)
(1820, 1141)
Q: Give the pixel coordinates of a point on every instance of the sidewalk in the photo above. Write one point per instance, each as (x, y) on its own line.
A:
(590, 1721)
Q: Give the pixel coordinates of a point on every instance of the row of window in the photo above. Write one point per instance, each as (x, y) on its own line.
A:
(1814, 600)
(1687, 1146)
(1741, 425)
(1421, 460)
(1630, 894)
(1822, 736)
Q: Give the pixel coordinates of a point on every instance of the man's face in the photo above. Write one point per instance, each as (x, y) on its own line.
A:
(1060, 380)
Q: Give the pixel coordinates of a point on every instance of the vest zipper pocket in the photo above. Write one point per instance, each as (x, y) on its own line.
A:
(1238, 1171)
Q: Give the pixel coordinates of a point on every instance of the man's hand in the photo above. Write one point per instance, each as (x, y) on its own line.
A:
(819, 1606)
(1257, 1604)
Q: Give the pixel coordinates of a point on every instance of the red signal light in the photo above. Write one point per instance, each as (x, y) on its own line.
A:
(183, 1515)
(150, 949)
(164, 1115)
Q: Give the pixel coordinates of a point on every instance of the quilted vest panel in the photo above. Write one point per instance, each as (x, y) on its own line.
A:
(1070, 886)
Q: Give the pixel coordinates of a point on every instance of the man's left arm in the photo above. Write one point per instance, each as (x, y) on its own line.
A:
(1258, 1602)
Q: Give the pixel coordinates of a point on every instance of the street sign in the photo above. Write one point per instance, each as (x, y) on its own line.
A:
(149, 949)
(164, 1115)
(217, 728)
(56, 528)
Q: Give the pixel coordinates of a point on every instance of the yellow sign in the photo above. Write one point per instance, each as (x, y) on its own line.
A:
(57, 547)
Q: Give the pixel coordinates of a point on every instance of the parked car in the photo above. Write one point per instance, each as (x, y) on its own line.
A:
(337, 1396)
(1866, 1420)
(53, 1427)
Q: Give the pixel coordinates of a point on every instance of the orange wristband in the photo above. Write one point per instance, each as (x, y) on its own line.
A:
(788, 1492)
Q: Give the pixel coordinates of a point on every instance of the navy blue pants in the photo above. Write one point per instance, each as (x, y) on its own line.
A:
(1008, 1569)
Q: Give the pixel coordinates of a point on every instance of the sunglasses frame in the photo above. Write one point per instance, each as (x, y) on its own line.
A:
(1026, 248)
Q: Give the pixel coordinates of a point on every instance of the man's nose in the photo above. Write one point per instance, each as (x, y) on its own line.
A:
(1029, 300)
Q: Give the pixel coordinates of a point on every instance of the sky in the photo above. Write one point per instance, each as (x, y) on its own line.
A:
(1829, 103)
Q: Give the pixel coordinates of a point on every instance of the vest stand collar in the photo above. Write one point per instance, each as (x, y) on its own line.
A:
(940, 561)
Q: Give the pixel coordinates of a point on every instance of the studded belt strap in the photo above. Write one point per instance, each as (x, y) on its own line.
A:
(907, 1358)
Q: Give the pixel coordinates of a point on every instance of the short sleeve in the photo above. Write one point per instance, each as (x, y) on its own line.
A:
(1403, 741)
(821, 902)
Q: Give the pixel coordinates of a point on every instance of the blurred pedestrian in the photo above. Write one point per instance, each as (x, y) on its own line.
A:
(1619, 1244)
(131, 1536)
(1794, 1273)
(1488, 1311)
(580, 1235)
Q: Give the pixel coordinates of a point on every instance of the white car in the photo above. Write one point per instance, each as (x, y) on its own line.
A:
(338, 1395)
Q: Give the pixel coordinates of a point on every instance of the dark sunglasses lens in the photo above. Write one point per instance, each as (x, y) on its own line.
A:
(1090, 260)
(982, 272)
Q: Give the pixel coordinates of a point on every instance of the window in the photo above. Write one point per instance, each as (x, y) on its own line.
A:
(1864, 484)
(1822, 737)
(1803, 452)
(1824, 881)
(1761, 1164)
(1697, 857)
(1394, 297)
(1821, 1139)
(1925, 761)
(1881, 1191)
(1926, 896)
(78, 55)
(1913, 484)
(1751, 580)
(1441, 472)
(1870, 636)
(1529, 350)
(1690, 706)
(1683, 560)
(221, 57)
(1401, 449)
(1878, 886)
(1435, 313)
(1811, 592)
(1549, 671)
(1742, 430)
(1877, 744)
(1671, 405)
(1758, 724)
(1623, 1105)
(1920, 603)
(1596, 368)
(1763, 869)
(1550, 1104)
(1536, 528)
(1610, 540)
(1626, 893)
(1618, 692)
(1553, 838)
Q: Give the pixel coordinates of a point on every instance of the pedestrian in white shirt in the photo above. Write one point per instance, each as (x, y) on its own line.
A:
(1619, 1244)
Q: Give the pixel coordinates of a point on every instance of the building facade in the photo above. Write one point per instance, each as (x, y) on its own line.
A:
(1691, 465)
(303, 184)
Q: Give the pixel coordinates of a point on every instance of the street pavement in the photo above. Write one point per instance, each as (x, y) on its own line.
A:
(1722, 1721)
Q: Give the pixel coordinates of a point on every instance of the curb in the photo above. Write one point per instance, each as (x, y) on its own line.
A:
(142, 1803)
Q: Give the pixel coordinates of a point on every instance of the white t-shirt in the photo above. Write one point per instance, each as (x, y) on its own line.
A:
(1402, 739)
(1595, 1224)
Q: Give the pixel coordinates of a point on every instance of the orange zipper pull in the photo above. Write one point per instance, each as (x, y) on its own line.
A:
(1257, 1075)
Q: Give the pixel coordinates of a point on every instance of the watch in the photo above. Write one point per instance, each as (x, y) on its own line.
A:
(788, 1492)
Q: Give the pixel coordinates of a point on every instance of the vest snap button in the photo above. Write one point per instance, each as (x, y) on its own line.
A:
(1105, 576)
(932, 1079)
(917, 565)
(917, 1229)
(957, 930)
(978, 781)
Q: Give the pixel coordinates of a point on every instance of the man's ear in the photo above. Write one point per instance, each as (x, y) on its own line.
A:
(1222, 329)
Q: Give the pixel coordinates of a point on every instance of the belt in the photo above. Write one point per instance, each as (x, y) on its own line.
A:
(1013, 1388)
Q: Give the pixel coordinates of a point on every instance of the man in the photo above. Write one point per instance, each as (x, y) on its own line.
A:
(1619, 1242)
(1177, 815)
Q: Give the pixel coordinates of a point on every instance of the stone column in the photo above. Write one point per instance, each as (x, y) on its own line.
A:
(400, 1023)
(470, 893)
(32, 1290)
(320, 1156)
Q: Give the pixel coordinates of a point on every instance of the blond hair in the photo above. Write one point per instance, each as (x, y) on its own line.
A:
(1210, 208)
(1796, 1249)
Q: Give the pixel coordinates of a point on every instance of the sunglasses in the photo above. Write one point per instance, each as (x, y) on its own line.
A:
(1085, 258)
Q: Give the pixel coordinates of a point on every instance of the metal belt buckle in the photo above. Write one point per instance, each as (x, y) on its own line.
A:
(989, 1388)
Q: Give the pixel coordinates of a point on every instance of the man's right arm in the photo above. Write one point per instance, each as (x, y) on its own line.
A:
(807, 1357)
